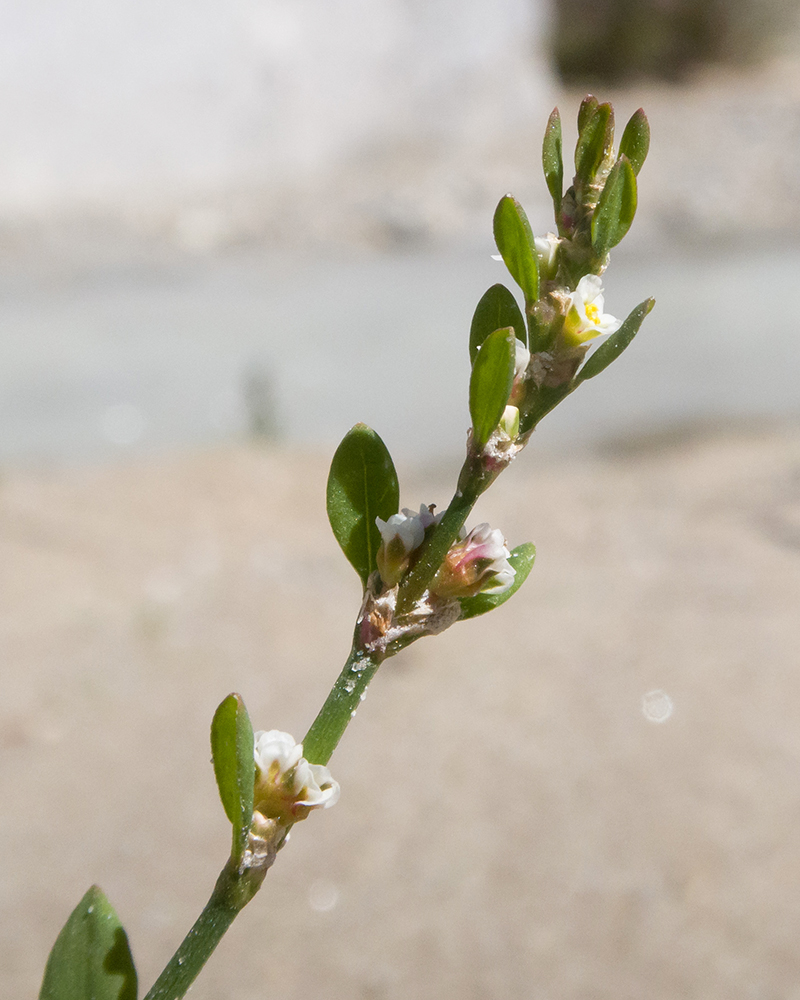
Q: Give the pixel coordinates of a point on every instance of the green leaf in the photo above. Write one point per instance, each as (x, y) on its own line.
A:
(588, 107)
(594, 141)
(490, 384)
(497, 308)
(232, 747)
(616, 208)
(552, 159)
(522, 558)
(362, 485)
(512, 233)
(616, 343)
(91, 959)
(544, 402)
(635, 141)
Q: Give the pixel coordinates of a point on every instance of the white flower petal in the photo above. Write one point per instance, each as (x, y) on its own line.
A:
(285, 780)
(585, 317)
(276, 747)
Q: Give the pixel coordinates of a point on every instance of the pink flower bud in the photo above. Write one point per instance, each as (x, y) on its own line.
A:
(476, 565)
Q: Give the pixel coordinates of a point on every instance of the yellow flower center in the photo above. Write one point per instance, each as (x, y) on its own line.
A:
(593, 313)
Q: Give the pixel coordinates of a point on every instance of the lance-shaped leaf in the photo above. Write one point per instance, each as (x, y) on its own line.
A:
(635, 141)
(232, 748)
(497, 308)
(91, 959)
(521, 559)
(490, 383)
(616, 343)
(544, 402)
(512, 233)
(552, 159)
(588, 107)
(594, 141)
(616, 208)
(362, 485)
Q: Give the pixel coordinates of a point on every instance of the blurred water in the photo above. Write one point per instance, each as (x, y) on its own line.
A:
(205, 351)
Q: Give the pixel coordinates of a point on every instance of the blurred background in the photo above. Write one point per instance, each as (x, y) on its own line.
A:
(227, 233)
(206, 216)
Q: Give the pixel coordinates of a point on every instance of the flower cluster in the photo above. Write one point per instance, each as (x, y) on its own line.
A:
(287, 787)
(476, 563)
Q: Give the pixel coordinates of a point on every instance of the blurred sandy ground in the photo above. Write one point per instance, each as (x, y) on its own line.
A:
(511, 823)
(515, 821)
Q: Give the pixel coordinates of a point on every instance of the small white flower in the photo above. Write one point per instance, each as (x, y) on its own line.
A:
(426, 517)
(287, 787)
(585, 318)
(276, 751)
(405, 526)
(401, 534)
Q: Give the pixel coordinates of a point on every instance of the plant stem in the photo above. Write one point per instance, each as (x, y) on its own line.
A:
(472, 481)
(233, 891)
(235, 888)
(341, 704)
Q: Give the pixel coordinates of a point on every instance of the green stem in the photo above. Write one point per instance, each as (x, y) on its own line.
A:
(235, 888)
(472, 481)
(341, 704)
(233, 891)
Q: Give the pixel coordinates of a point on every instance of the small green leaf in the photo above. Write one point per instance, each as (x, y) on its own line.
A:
(552, 159)
(594, 141)
(490, 384)
(522, 558)
(512, 233)
(91, 959)
(497, 308)
(616, 343)
(635, 141)
(232, 747)
(362, 485)
(616, 208)
(588, 107)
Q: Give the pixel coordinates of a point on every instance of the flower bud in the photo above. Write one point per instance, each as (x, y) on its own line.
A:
(585, 318)
(401, 534)
(509, 422)
(522, 359)
(478, 564)
(546, 251)
(287, 787)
